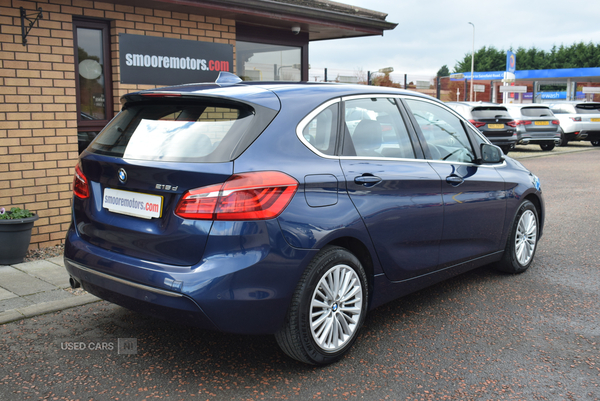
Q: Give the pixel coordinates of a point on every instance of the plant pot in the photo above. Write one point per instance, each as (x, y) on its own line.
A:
(15, 236)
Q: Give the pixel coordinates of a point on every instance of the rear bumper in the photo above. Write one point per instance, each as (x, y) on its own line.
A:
(537, 138)
(140, 298)
(246, 290)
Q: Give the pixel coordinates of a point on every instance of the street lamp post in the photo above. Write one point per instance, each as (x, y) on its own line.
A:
(472, 61)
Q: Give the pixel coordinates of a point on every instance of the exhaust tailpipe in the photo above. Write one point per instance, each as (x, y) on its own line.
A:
(74, 283)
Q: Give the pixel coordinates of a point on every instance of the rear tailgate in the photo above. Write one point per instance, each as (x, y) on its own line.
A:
(137, 218)
(147, 158)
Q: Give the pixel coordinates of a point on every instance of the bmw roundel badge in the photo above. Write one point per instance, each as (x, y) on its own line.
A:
(122, 176)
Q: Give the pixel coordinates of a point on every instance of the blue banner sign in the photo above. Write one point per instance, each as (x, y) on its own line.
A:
(511, 62)
(550, 95)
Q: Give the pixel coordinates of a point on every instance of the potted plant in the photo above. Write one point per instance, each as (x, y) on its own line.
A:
(15, 234)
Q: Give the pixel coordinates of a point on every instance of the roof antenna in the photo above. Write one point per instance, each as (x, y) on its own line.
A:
(227, 78)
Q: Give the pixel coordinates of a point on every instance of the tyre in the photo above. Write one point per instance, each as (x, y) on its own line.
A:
(522, 241)
(547, 146)
(563, 140)
(506, 148)
(595, 143)
(328, 309)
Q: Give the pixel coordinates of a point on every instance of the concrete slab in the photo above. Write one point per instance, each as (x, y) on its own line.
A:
(14, 303)
(21, 283)
(48, 296)
(10, 316)
(47, 307)
(5, 294)
(59, 260)
(46, 270)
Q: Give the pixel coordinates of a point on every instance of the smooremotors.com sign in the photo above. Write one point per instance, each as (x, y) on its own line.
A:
(165, 61)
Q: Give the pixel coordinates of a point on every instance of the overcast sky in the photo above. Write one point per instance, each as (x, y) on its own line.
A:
(431, 33)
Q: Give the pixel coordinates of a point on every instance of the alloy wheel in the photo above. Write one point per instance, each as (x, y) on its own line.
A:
(336, 308)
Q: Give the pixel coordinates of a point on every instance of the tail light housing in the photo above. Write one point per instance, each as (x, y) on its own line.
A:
(518, 122)
(257, 195)
(575, 118)
(555, 122)
(477, 124)
(81, 187)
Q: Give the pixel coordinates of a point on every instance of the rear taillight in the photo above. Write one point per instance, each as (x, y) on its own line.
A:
(555, 122)
(477, 124)
(519, 122)
(575, 118)
(257, 195)
(81, 188)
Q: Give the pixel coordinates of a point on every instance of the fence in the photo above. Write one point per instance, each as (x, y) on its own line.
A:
(447, 89)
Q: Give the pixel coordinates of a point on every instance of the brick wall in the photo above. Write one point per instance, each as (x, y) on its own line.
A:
(38, 110)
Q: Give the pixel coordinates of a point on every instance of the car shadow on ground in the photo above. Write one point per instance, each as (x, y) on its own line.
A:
(167, 343)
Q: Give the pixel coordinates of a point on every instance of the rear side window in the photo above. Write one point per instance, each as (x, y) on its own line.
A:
(587, 108)
(321, 131)
(489, 112)
(536, 112)
(374, 127)
(176, 131)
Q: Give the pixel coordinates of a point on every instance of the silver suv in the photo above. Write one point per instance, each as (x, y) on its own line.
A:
(535, 123)
(579, 120)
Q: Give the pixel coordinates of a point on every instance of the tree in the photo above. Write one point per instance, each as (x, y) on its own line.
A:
(578, 55)
(443, 71)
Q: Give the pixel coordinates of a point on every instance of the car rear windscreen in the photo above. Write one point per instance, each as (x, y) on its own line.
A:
(489, 112)
(536, 112)
(588, 108)
(176, 131)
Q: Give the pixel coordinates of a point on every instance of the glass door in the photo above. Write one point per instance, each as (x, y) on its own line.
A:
(94, 83)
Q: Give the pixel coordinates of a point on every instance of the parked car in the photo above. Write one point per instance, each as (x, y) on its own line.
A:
(493, 120)
(579, 120)
(536, 124)
(234, 207)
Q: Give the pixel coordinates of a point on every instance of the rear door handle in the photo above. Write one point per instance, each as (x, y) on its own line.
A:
(367, 180)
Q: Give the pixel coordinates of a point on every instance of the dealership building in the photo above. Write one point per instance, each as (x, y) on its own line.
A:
(64, 64)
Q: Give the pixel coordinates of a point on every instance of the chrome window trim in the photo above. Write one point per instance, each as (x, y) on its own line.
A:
(304, 122)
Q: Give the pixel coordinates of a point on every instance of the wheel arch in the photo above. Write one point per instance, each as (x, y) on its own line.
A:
(360, 250)
(533, 198)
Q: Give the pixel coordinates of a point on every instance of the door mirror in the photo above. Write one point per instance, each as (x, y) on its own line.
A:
(491, 154)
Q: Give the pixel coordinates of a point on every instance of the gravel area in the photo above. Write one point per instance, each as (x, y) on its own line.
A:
(45, 253)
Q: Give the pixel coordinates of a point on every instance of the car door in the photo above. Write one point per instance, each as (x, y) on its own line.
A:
(396, 191)
(473, 195)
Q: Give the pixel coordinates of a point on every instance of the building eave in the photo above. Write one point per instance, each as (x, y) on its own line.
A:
(322, 19)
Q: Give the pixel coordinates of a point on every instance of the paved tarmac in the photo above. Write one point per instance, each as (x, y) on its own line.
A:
(35, 288)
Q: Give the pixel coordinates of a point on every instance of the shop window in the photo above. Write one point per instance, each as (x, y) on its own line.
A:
(266, 62)
(94, 83)
(268, 54)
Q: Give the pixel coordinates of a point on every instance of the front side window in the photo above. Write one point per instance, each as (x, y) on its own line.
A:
(375, 128)
(442, 131)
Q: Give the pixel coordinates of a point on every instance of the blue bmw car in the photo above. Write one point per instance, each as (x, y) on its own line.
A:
(291, 209)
